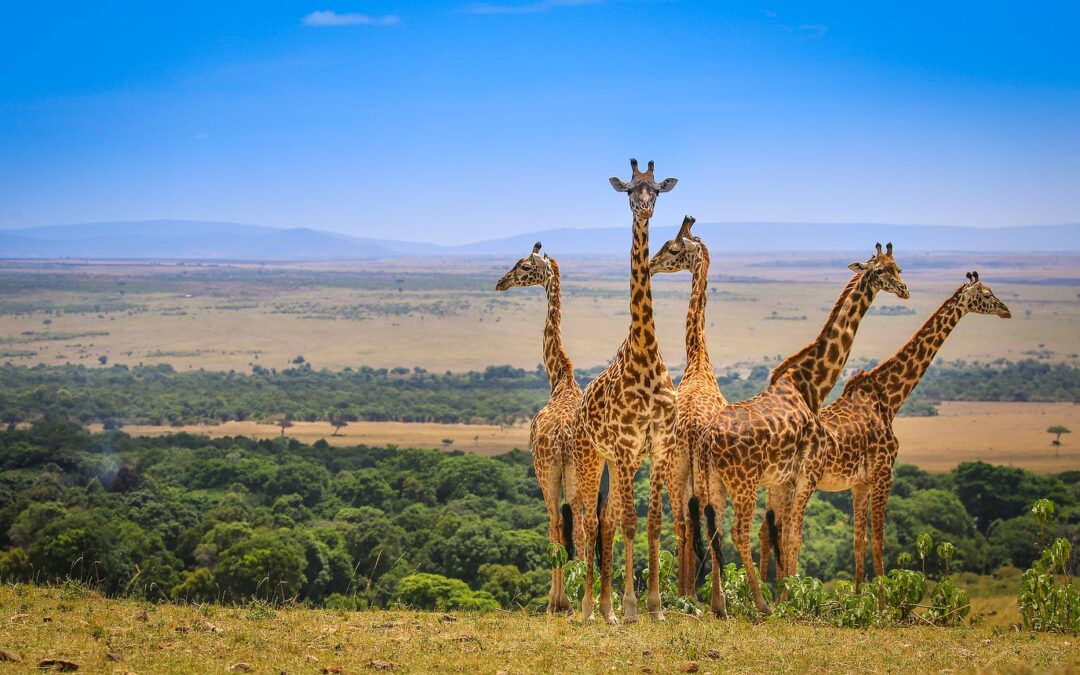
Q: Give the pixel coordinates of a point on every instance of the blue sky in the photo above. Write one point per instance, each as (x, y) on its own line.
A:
(456, 121)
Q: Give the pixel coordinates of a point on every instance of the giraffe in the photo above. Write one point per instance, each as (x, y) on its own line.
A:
(776, 439)
(862, 445)
(551, 434)
(626, 413)
(699, 396)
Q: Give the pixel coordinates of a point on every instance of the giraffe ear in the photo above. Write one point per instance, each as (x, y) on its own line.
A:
(667, 184)
(858, 267)
(619, 184)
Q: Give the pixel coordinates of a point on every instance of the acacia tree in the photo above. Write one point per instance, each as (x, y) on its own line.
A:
(284, 423)
(1058, 430)
(338, 421)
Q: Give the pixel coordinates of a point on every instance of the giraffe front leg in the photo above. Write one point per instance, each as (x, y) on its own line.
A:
(860, 496)
(629, 532)
(608, 519)
(664, 452)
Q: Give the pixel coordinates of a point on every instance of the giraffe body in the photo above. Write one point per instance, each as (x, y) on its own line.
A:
(862, 447)
(627, 414)
(551, 434)
(776, 439)
(699, 397)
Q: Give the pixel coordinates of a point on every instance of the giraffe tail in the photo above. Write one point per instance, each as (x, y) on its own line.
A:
(568, 530)
(699, 548)
(774, 534)
(714, 541)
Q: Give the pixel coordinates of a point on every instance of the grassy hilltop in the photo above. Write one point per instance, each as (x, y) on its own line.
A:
(102, 635)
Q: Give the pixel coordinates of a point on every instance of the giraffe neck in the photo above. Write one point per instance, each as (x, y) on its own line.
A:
(557, 363)
(895, 378)
(642, 327)
(815, 369)
(697, 351)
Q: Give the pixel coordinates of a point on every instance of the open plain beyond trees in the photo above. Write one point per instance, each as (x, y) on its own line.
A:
(104, 635)
(444, 314)
(1013, 434)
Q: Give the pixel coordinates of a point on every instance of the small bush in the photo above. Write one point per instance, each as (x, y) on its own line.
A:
(434, 591)
(901, 591)
(1048, 600)
(949, 604)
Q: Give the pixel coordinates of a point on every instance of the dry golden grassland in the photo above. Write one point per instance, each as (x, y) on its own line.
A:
(101, 635)
(1002, 433)
(1013, 434)
(222, 317)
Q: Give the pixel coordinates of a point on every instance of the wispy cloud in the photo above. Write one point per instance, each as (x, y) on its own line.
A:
(527, 8)
(805, 31)
(813, 30)
(328, 17)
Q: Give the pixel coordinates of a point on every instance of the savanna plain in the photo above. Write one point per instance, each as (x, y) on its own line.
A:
(71, 330)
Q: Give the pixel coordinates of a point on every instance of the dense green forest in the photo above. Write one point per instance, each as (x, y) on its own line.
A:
(187, 517)
(159, 394)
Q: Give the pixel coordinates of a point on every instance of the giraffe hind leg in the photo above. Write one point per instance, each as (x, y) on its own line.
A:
(717, 598)
(744, 515)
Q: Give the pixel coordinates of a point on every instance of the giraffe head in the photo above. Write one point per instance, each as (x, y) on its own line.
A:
(883, 272)
(678, 254)
(643, 189)
(975, 296)
(532, 270)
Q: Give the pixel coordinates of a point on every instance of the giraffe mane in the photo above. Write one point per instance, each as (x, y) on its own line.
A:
(868, 375)
(781, 369)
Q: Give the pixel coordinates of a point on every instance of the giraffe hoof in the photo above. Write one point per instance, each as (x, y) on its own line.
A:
(611, 619)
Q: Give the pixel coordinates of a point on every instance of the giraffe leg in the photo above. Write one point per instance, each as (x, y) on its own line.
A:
(663, 450)
(548, 477)
(570, 540)
(677, 491)
(806, 482)
(610, 515)
(879, 498)
(743, 502)
(805, 487)
(573, 499)
(678, 487)
(775, 526)
(860, 495)
(714, 522)
(589, 474)
(629, 532)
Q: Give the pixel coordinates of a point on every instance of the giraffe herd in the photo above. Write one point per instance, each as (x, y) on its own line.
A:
(705, 450)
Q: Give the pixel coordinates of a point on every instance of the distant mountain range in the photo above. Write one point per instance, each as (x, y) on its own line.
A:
(183, 239)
